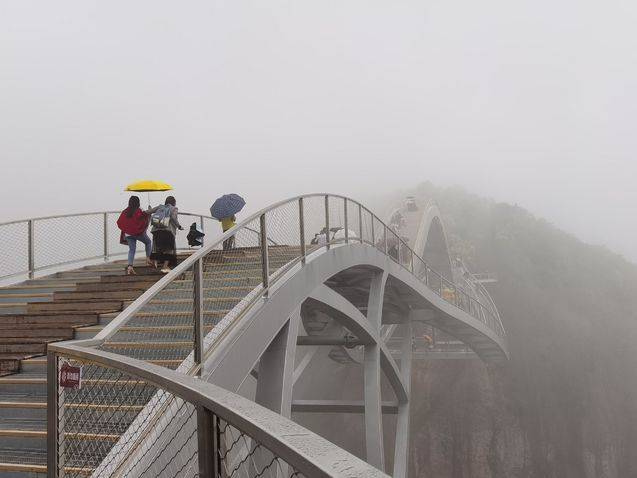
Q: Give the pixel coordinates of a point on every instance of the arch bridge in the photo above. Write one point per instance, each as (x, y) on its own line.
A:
(211, 370)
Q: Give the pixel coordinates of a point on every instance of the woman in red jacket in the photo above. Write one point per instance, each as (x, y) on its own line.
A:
(133, 222)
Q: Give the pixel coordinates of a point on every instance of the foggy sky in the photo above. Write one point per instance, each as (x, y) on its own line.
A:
(528, 102)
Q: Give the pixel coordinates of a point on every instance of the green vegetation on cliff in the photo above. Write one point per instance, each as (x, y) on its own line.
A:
(566, 403)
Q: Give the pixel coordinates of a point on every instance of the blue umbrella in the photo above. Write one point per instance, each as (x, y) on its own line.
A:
(226, 206)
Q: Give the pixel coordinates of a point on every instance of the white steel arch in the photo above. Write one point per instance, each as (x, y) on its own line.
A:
(265, 332)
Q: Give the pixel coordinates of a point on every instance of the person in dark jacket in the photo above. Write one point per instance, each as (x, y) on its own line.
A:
(164, 224)
(133, 223)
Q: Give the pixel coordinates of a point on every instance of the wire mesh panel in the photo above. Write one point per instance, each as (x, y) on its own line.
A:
(314, 222)
(354, 220)
(368, 231)
(336, 207)
(393, 244)
(241, 456)
(162, 330)
(114, 247)
(67, 239)
(379, 233)
(111, 422)
(104, 425)
(14, 253)
(282, 226)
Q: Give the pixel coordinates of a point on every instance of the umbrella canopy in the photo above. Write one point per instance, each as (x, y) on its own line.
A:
(148, 186)
(227, 206)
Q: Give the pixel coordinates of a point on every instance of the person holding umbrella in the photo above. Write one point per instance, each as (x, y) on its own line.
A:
(164, 222)
(148, 186)
(224, 210)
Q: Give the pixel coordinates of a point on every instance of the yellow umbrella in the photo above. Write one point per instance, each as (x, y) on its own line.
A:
(147, 186)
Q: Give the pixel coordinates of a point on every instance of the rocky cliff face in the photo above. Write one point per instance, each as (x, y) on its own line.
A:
(566, 403)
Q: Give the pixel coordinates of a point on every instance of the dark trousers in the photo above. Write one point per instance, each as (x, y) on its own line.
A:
(228, 243)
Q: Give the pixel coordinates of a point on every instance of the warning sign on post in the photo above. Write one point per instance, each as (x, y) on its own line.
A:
(70, 376)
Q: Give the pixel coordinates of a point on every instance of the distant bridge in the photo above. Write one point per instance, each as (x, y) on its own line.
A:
(313, 278)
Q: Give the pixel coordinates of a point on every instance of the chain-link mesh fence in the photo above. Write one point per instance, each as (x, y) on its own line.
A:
(118, 424)
(49, 244)
(218, 288)
(14, 253)
(242, 457)
(68, 239)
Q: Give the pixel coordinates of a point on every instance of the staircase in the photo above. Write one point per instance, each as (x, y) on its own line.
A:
(64, 306)
(78, 304)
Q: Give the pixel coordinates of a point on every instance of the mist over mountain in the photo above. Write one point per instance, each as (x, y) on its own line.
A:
(565, 405)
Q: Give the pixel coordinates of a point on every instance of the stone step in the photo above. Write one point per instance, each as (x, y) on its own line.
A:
(23, 410)
(65, 333)
(120, 279)
(114, 286)
(36, 289)
(95, 296)
(50, 319)
(22, 470)
(24, 384)
(36, 439)
(121, 270)
(75, 307)
(27, 348)
(28, 297)
(11, 309)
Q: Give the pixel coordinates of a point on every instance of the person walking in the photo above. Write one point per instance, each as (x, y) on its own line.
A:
(164, 222)
(133, 223)
(224, 210)
(228, 223)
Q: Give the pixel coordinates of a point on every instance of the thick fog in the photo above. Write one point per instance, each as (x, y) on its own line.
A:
(529, 102)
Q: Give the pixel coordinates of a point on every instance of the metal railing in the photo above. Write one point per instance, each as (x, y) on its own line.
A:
(40, 244)
(211, 433)
(179, 321)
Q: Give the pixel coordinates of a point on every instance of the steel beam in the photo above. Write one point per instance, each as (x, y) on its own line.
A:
(401, 450)
(338, 406)
(374, 447)
(318, 340)
(276, 369)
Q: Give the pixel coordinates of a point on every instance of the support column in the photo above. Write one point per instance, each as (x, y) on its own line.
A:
(372, 377)
(401, 451)
(276, 369)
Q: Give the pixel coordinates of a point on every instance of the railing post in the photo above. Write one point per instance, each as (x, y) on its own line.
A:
(105, 237)
(52, 415)
(302, 230)
(198, 314)
(201, 225)
(345, 221)
(265, 265)
(31, 246)
(327, 221)
(385, 239)
(360, 222)
(208, 444)
(371, 216)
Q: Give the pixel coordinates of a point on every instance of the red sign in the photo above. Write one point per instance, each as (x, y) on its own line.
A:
(70, 376)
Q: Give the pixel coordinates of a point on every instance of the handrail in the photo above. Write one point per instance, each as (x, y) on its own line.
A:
(305, 452)
(27, 247)
(262, 227)
(135, 307)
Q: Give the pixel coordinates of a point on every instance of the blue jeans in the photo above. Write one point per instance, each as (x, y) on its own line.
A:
(132, 246)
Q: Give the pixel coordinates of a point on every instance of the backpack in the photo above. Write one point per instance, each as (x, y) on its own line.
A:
(160, 219)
